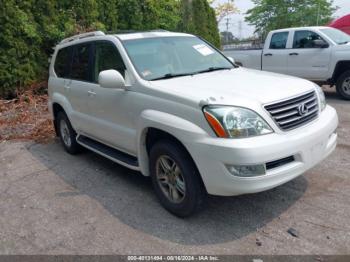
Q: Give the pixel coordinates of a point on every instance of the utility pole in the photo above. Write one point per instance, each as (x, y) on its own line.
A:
(318, 14)
(240, 29)
(227, 27)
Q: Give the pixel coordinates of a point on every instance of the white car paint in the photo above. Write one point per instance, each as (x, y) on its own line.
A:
(315, 64)
(120, 119)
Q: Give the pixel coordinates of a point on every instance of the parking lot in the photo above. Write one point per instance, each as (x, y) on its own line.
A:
(54, 203)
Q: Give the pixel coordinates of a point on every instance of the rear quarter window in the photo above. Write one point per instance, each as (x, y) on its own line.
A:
(62, 62)
(81, 63)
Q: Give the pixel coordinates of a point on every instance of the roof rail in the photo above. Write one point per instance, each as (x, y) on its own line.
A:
(81, 36)
(136, 31)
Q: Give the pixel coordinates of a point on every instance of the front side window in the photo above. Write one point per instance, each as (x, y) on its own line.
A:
(159, 57)
(305, 39)
(80, 63)
(107, 57)
(62, 63)
(279, 40)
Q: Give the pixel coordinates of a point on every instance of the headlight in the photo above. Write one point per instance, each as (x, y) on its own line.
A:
(322, 97)
(235, 122)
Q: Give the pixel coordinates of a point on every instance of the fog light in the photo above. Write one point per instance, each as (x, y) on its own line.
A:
(247, 171)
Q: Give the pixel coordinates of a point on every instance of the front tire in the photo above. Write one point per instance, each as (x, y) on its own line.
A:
(176, 180)
(343, 85)
(67, 134)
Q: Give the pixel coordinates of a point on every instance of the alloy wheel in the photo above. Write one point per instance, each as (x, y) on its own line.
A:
(170, 179)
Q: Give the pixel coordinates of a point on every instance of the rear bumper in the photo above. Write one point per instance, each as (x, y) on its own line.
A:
(308, 145)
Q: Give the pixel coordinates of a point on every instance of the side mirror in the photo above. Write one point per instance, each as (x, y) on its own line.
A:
(111, 79)
(319, 43)
(231, 59)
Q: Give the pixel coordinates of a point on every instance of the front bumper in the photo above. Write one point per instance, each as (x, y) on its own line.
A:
(309, 145)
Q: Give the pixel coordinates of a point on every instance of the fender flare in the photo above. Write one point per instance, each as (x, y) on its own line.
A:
(64, 103)
(182, 129)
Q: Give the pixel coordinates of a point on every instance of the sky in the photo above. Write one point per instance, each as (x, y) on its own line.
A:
(244, 5)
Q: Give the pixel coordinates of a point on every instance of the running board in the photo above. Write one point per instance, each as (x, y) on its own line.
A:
(109, 152)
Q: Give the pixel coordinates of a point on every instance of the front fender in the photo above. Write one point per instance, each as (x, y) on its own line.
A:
(182, 129)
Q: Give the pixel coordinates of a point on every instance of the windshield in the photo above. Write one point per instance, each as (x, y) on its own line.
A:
(336, 35)
(166, 57)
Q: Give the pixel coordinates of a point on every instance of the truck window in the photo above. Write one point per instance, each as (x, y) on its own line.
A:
(62, 63)
(80, 63)
(279, 40)
(107, 57)
(304, 39)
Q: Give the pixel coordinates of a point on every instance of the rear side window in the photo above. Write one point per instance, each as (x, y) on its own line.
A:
(107, 57)
(279, 40)
(80, 64)
(62, 63)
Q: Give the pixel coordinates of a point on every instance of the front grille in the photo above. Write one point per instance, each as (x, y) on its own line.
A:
(295, 112)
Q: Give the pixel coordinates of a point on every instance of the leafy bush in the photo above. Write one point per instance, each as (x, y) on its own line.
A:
(29, 29)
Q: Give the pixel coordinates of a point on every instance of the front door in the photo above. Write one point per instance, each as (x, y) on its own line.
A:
(307, 61)
(110, 108)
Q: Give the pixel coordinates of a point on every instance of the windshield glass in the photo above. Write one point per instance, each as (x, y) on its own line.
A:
(165, 57)
(336, 35)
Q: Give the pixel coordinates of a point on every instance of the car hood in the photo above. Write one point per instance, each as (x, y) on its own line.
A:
(345, 47)
(234, 87)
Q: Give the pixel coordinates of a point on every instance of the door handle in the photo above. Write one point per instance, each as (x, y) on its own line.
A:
(91, 93)
(293, 54)
(66, 87)
(268, 54)
(67, 84)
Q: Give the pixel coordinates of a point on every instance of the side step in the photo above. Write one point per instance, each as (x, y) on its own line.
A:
(109, 152)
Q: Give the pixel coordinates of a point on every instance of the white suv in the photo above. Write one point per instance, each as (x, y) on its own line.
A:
(173, 107)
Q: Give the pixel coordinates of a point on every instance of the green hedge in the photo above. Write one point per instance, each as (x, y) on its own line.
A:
(29, 29)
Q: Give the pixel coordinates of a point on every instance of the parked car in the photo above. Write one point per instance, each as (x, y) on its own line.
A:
(319, 54)
(173, 107)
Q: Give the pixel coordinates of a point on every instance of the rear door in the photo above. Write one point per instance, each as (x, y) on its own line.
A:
(274, 57)
(307, 61)
(78, 87)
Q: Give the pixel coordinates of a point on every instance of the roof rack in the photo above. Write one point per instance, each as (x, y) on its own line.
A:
(81, 36)
(136, 31)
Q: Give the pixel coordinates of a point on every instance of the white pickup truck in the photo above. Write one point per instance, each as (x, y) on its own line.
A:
(319, 54)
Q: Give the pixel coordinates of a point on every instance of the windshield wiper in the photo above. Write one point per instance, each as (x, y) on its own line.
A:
(212, 69)
(344, 43)
(168, 76)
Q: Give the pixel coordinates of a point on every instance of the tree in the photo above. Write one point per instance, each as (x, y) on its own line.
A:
(197, 17)
(269, 15)
(31, 28)
(223, 9)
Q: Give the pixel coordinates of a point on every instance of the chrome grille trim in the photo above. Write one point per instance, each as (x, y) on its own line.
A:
(286, 113)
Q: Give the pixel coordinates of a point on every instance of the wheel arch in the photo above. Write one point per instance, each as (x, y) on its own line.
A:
(60, 104)
(155, 126)
(340, 68)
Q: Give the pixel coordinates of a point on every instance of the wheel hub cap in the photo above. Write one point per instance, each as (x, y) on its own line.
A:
(64, 131)
(346, 86)
(170, 179)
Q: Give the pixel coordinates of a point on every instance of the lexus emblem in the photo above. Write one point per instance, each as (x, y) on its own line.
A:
(303, 109)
